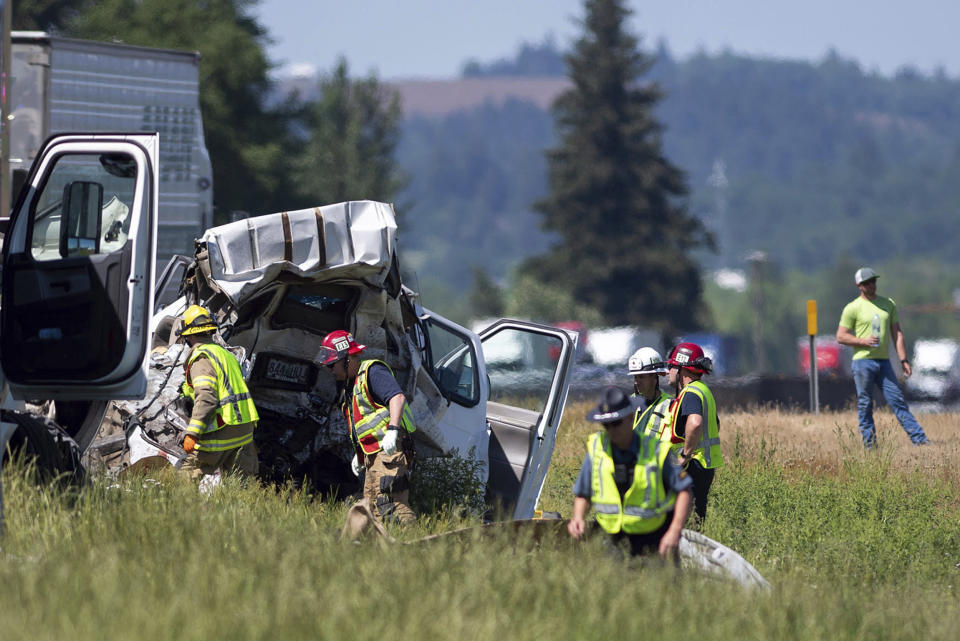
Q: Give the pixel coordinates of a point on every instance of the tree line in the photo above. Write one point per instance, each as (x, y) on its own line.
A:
(267, 155)
(820, 166)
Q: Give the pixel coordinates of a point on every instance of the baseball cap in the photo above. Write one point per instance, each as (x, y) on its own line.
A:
(864, 274)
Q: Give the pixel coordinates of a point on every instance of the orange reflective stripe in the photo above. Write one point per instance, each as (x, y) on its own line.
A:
(368, 420)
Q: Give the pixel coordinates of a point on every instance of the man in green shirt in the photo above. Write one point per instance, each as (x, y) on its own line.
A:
(868, 324)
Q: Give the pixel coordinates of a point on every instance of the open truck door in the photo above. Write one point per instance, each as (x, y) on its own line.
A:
(528, 369)
(506, 390)
(78, 270)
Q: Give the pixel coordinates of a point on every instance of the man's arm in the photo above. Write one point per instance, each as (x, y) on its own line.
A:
(670, 542)
(396, 408)
(203, 377)
(901, 344)
(691, 438)
(578, 523)
(846, 337)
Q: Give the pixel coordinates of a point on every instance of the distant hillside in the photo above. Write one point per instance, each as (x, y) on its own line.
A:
(808, 162)
(439, 98)
(442, 97)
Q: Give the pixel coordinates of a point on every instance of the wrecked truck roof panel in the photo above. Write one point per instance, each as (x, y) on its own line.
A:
(351, 240)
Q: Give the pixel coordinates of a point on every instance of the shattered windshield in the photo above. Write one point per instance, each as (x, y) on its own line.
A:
(315, 308)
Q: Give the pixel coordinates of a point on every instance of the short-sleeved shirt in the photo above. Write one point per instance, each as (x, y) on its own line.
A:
(674, 478)
(689, 404)
(383, 386)
(867, 318)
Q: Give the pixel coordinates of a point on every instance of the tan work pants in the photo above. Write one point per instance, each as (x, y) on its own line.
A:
(239, 460)
(387, 487)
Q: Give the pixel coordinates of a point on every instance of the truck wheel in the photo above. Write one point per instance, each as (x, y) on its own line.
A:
(55, 454)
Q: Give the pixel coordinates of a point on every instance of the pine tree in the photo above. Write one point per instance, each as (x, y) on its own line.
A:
(351, 132)
(615, 201)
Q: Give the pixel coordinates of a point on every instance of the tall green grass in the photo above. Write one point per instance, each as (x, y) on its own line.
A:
(867, 551)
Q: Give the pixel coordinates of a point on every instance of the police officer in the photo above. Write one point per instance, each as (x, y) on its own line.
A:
(219, 435)
(694, 420)
(640, 494)
(647, 366)
(380, 423)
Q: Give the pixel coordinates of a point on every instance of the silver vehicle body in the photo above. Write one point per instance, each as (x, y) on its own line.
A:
(936, 370)
(278, 283)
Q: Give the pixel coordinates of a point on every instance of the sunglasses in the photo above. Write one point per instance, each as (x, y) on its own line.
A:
(618, 422)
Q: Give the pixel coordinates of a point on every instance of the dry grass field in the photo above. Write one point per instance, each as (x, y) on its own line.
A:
(824, 444)
(855, 545)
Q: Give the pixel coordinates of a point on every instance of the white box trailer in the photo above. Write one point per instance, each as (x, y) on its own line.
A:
(70, 85)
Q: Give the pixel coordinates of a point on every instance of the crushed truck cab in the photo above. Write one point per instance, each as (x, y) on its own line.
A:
(277, 285)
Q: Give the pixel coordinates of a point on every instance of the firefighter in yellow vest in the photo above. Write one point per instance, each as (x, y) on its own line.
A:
(640, 494)
(380, 423)
(653, 417)
(694, 420)
(220, 432)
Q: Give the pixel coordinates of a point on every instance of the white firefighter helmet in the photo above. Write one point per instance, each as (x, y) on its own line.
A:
(646, 360)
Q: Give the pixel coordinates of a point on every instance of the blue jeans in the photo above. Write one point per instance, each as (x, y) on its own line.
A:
(867, 373)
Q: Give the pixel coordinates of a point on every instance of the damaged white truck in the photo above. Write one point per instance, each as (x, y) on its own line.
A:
(276, 285)
(78, 296)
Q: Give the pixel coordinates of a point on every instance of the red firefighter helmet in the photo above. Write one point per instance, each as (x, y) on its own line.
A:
(690, 356)
(336, 345)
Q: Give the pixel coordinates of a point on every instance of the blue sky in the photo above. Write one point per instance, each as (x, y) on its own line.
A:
(432, 38)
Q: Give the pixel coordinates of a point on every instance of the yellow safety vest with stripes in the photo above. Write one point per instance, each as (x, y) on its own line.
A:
(707, 451)
(235, 403)
(645, 504)
(368, 419)
(655, 418)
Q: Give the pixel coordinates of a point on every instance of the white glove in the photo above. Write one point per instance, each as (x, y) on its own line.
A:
(389, 442)
(209, 482)
(355, 466)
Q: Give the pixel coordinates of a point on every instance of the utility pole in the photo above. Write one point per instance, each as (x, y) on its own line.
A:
(5, 197)
(718, 180)
(759, 266)
(812, 332)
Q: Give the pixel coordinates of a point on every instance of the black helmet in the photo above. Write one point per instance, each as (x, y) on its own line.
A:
(614, 405)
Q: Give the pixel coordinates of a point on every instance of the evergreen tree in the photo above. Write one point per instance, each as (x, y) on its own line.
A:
(486, 297)
(44, 15)
(350, 135)
(614, 199)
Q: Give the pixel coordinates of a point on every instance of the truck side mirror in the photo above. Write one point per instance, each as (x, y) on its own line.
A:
(80, 214)
(16, 184)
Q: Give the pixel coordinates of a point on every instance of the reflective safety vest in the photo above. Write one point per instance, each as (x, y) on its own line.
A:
(235, 405)
(707, 451)
(368, 419)
(655, 418)
(645, 504)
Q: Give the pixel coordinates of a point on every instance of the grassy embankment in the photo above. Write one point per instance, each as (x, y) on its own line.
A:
(856, 546)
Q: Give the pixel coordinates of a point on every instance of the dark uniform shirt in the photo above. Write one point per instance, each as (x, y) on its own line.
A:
(382, 385)
(690, 405)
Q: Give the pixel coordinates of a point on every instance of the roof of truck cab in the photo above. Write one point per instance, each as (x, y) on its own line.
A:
(353, 240)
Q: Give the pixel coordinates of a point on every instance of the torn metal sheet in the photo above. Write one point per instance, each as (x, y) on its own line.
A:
(351, 241)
